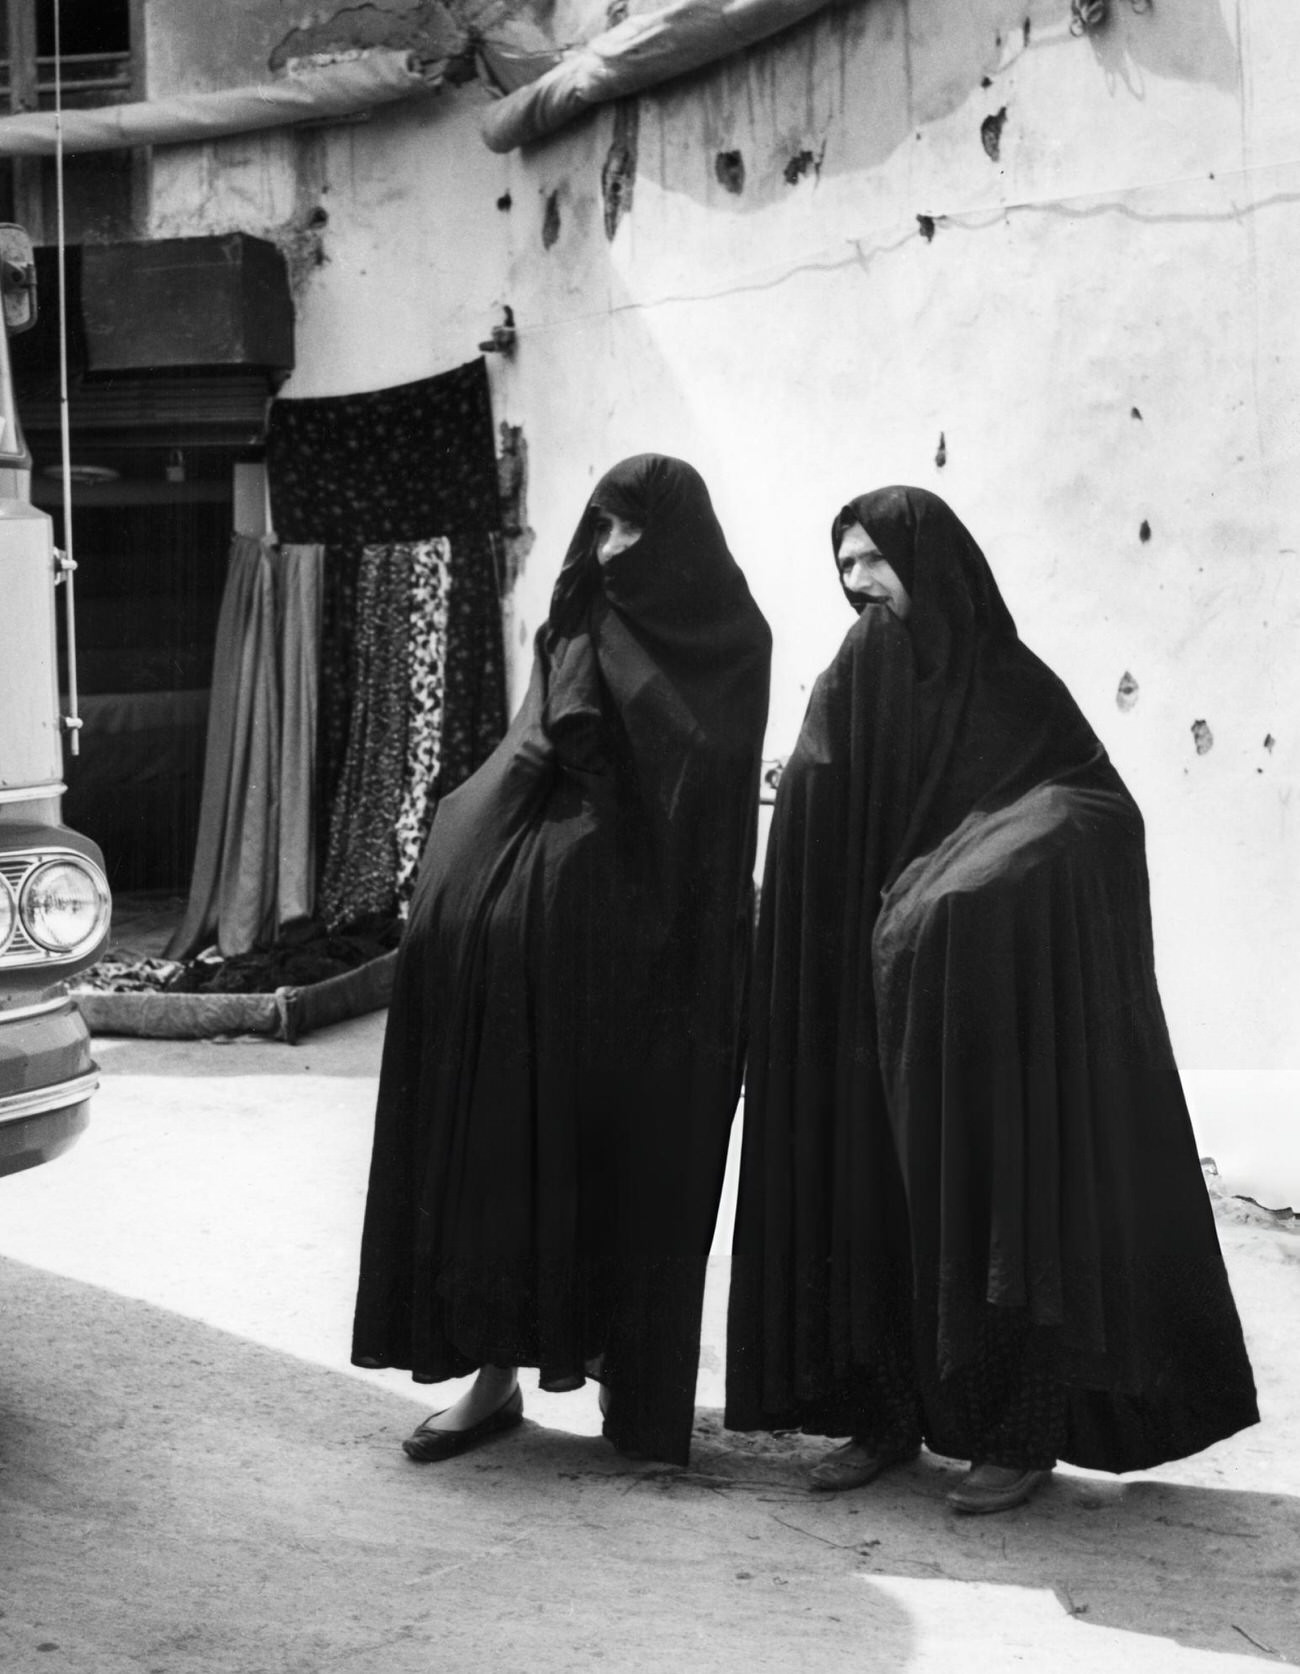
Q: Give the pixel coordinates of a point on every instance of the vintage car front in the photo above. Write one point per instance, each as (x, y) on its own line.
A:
(54, 917)
(54, 897)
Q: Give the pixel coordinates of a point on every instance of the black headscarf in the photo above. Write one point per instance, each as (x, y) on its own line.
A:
(564, 1047)
(990, 719)
(682, 564)
(665, 645)
(918, 532)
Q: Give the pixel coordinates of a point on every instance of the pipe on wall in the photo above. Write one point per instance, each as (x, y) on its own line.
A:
(640, 52)
(312, 94)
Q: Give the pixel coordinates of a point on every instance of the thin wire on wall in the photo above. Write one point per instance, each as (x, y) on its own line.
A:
(67, 562)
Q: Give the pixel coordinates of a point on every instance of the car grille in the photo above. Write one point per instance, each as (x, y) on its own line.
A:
(22, 950)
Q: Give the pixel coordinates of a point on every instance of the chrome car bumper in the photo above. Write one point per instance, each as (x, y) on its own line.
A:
(46, 1078)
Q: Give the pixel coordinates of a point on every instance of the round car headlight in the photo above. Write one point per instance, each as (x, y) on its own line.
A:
(64, 905)
(8, 914)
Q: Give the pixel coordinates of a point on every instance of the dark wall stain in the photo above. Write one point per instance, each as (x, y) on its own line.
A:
(1269, 742)
(512, 477)
(1144, 531)
(618, 177)
(729, 167)
(505, 201)
(991, 133)
(926, 224)
(551, 219)
(1134, 413)
(802, 163)
(512, 481)
(1126, 693)
(1202, 737)
(301, 241)
(941, 452)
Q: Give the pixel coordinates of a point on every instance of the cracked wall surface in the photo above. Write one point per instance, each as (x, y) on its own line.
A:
(193, 48)
(424, 27)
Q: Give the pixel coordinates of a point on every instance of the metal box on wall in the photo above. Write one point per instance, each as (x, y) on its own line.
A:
(186, 302)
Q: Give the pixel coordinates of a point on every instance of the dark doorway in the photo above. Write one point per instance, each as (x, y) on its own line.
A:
(151, 563)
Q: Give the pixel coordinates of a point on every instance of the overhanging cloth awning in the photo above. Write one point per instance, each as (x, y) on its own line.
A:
(311, 95)
(637, 53)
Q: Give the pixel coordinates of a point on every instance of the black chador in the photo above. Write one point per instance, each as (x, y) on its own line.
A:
(971, 1206)
(564, 1047)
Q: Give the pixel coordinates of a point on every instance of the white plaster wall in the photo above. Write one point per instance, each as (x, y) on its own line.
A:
(1134, 247)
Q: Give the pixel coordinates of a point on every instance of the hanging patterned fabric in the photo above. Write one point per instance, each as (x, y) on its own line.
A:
(430, 589)
(399, 465)
(360, 877)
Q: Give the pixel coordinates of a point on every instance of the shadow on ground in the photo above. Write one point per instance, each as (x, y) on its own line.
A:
(1212, 1569)
(177, 1499)
(174, 1499)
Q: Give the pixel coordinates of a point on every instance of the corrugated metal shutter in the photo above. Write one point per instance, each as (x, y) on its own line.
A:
(219, 409)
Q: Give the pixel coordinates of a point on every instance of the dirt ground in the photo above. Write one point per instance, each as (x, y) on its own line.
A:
(192, 1477)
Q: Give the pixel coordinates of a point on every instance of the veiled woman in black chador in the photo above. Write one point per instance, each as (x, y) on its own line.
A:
(971, 1209)
(564, 1046)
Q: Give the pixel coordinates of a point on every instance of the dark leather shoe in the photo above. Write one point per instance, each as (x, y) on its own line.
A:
(428, 1447)
(987, 1488)
(855, 1464)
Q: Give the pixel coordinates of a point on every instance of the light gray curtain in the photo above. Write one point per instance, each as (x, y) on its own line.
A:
(253, 863)
(299, 594)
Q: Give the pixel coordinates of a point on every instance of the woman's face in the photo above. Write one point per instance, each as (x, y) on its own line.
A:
(868, 574)
(614, 534)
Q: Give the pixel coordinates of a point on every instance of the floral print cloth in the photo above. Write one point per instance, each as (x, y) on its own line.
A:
(397, 464)
(361, 860)
(430, 587)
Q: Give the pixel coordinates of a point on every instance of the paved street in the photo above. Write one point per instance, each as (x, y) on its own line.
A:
(192, 1478)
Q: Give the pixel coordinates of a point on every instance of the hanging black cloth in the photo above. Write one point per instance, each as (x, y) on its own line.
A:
(402, 464)
(395, 464)
(962, 1108)
(564, 1044)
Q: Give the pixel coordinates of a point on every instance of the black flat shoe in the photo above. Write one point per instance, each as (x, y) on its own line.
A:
(988, 1488)
(855, 1464)
(429, 1447)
